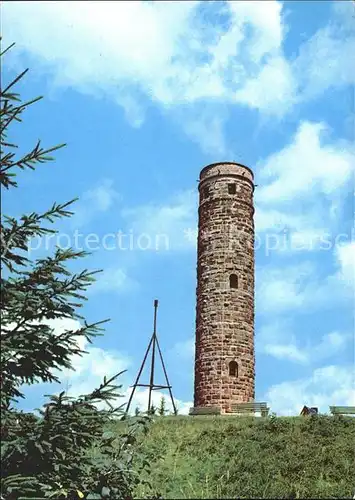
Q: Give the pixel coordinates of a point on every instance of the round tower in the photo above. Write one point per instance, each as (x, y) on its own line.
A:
(224, 357)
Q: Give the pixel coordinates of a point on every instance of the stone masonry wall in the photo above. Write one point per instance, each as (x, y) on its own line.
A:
(225, 314)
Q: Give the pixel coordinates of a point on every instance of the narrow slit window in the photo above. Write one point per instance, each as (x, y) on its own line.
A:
(232, 188)
(233, 369)
(205, 192)
(233, 281)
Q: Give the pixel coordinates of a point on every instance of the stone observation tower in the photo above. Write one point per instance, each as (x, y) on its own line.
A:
(224, 357)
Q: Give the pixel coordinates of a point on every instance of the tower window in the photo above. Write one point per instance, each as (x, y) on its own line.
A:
(233, 369)
(233, 281)
(205, 192)
(232, 189)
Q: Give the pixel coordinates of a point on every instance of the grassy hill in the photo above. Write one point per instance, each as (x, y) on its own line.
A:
(246, 457)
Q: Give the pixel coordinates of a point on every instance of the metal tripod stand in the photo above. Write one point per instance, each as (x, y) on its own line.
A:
(153, 344)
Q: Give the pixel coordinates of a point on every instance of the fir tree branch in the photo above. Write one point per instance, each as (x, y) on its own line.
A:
(18, 235)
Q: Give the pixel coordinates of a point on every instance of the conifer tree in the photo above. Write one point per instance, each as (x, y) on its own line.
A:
(66, 450)
(162, 407)
(152, 410)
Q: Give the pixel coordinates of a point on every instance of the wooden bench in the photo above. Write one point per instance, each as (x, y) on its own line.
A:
(342, 410)
(205, 410)
(251, 408)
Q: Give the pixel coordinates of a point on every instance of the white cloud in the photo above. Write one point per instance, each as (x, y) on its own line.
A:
(320, 64)
(97, 363)
(307, 165)
(123, 38)
(206, 128)
(89, 369)
(61, 325)
(140, 400)
(102, 196)
(159, 49)
(176, 53)
(86, 362)
(94, 201)
(282, 340)
(113, 280)
(330, 344)
(281, 289)
(287, 352)
(267, 23)
(310, 239)
(271, 90)
(296, 288)
(287, 232)
(299, 188)
(271, 218)
(166, 224)
(346, 257)
(327, 386)
(322, 61)
(128, 42)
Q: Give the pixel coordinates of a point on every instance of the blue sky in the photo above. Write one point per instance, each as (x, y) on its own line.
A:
(145, 94)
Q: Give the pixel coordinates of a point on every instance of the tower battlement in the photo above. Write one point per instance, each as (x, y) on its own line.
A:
(224, 356)
(226, 168)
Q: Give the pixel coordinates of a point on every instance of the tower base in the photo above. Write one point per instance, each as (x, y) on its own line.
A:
(205, 410)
